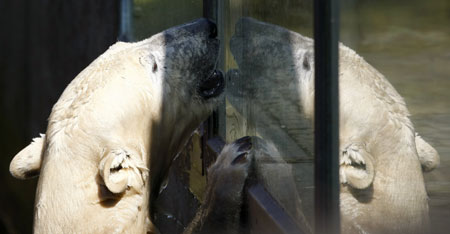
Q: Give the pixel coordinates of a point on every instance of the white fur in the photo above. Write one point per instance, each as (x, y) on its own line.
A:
(114, 131)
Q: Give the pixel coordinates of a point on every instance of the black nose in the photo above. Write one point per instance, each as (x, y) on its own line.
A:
(212, 30)
(242, 140)
(212, 86)
(244, 143)
(201, 26)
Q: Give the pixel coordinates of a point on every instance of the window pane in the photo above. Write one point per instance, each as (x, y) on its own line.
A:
(153, 16)
(263, 62)
(383, 186)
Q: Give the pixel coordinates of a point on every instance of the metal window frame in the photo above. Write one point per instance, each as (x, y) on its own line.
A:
(326, 116)
(125, 21)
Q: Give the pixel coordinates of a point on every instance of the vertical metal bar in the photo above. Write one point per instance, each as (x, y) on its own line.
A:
(210, 9)
(210, 12)
(326, 175)
(125, 24)
(209, 126)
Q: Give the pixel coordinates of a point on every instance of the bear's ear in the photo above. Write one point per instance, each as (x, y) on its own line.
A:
(122, 170)
(356, 167)
(27, 163)
(149, 61)
(428, 156)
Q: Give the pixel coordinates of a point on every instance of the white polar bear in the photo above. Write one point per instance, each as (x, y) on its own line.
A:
(116, 128)
(382, 185)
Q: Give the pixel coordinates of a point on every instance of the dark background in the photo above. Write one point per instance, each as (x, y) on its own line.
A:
(44, 44)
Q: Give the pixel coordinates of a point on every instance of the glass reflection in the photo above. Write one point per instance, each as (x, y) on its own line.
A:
(381, 158)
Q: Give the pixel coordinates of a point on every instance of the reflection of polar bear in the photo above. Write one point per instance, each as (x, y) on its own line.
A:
(253, 157)
(221, 210)
(124, 117)
(382, 186)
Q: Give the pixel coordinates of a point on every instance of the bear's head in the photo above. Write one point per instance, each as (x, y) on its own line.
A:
(129, 112)
(278, 64)
(266, 51)
(182, 59)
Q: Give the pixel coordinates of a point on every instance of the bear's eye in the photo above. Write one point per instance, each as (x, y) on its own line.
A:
(155, 67)
(306, 65)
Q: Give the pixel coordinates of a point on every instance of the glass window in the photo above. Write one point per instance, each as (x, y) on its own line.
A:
(266, 52)
(153, 16)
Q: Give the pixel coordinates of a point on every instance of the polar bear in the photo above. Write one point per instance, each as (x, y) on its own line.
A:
(116, 128)
(382, 185)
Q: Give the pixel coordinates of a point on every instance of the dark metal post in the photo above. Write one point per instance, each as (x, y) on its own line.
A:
(210, 125)
(210, 9)
(326, 175)
(126, 18)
